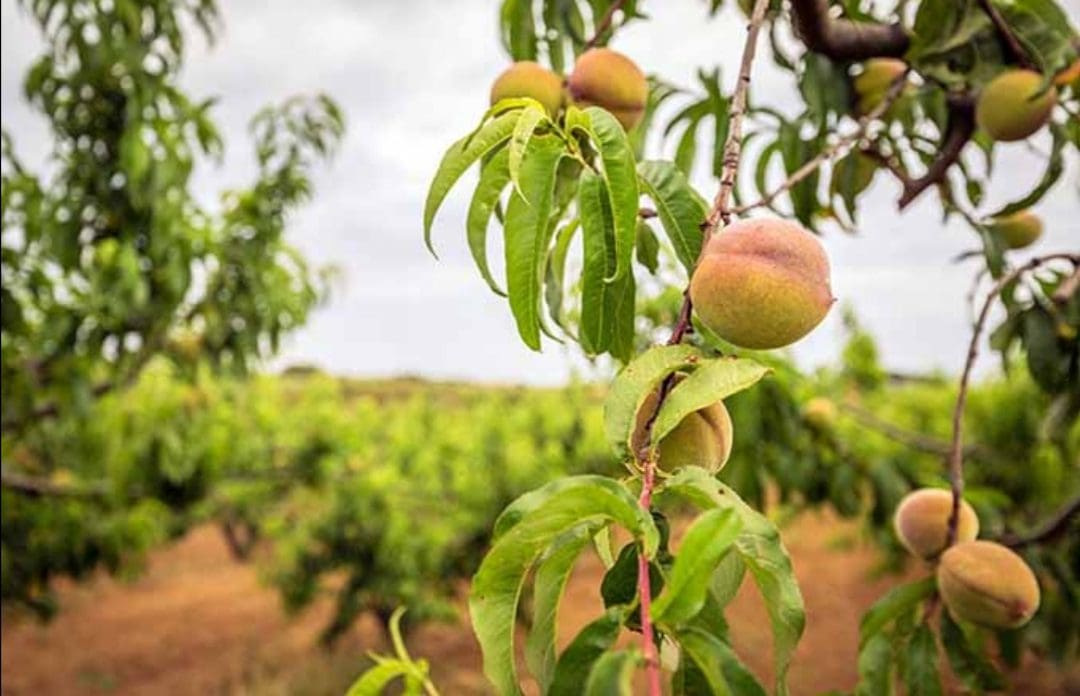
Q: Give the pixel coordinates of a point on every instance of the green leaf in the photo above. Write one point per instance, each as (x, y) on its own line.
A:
(619, 585)
(577, 661)
(532, 117)
(526, 529)
(898, 600)
(518, 29)
(458, 158)
(613, 674)
(680, 209)
(648, 247)
(727, 579)
(711, 381)
(764, 554)
(622, 184)
(494, 176)
(1044, 31)
(921, 664)
(556, 273)
(552, 574)
(717, 665)
(633, 384)
(598, 241)
(528, 233)
(706, 541)
(875, 667)
(1054, 168)
(375, 680)
(967, 661)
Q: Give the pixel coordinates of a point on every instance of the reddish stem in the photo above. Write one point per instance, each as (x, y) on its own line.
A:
(648, 644)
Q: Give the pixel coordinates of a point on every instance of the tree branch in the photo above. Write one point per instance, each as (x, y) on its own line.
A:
(1012, 45)
(956, 448)
(40, 487)
(843, 39)
(604, 24)
(958, 132)
(720, 211)
(1050, 530)
(836, 149)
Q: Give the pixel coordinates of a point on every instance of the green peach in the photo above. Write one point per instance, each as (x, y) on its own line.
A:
(528, 79)
(1019, 229)
(872, 84)
(762, 283)
(987, 584)
(608, 79)
(1013, 105)
(703, 438)
(922, 521)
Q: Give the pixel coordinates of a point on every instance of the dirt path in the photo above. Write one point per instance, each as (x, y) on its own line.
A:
(198, 623)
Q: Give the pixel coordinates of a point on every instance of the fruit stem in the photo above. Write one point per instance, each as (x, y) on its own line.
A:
(956, 447)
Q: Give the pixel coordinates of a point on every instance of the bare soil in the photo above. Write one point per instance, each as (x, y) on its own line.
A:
(197, 622)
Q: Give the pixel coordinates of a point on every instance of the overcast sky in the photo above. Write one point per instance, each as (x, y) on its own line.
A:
(413, 76)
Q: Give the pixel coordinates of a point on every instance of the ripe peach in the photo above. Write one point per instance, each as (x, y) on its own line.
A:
(608, 79)
(703, 438)
(762, 283)
(528, 79)
(985, 583)
(922, 521)
(1019, 229)
(1013, 106)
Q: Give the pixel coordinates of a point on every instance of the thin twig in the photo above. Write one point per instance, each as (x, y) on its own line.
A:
(1012, 45)
(721, 209)
(958, 131)
(908, 438)
(956, 449)
(720, 212)
(1067, 289)
(604, 24)
(39, 487)
(1051, 529)
(836, 149)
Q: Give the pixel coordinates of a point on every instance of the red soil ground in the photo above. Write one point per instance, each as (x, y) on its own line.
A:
(199, 623)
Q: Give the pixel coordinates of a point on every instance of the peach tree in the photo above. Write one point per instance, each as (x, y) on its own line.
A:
(109, 262)
(910, 91)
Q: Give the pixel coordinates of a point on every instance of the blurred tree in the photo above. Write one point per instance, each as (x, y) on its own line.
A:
(108, 260)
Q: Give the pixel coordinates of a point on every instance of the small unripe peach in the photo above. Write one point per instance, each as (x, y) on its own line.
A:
(1019, 229)
(1013, 105)
(608, 79)
(987, 584)
(872, 84)
(819, 413)
(703, 438)
(762, 283)
(528, 79)
(922, 521)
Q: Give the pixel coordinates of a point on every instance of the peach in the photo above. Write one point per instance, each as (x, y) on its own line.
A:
(1019, 229)
(987, 584)
(921, 521)
(703, 438)
(762, 283)
(608, 79)
(1014, 105)
(528, 79)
